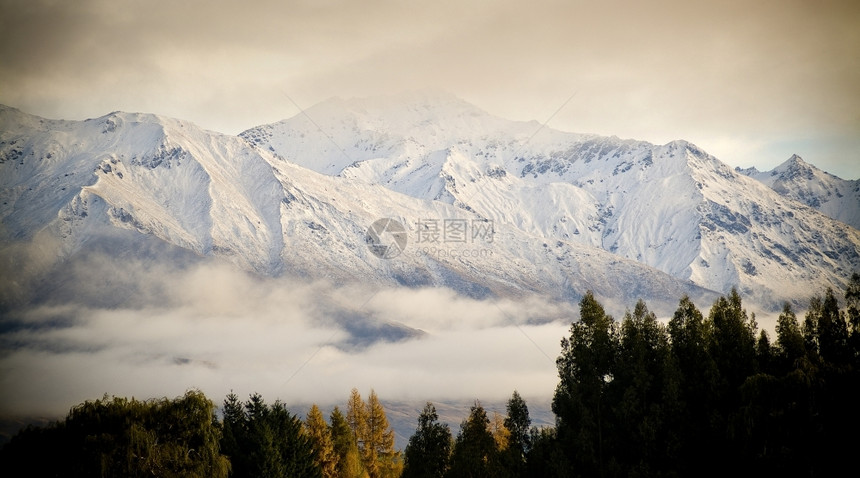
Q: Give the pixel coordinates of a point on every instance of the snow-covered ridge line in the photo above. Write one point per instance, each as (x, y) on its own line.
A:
(625, 218)
(672, 206)
(796, 179)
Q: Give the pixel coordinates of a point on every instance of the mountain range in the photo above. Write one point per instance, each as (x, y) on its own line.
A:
(468, 201)
(803, 182)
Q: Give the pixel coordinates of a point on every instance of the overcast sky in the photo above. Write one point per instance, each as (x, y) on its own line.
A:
(751, 82)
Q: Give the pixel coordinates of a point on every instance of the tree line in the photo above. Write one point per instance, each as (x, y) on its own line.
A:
(708, 395)
(703, 395)
(184, 437)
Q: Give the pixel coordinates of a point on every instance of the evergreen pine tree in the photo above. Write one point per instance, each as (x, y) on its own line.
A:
(546, 457)
(475, 453)
(233, 428)
(518, 424)
(832, 331)
(428, 452)
(732, 343)
(790, 346)
(266, 441)
(732, 346)
(810, 328)
(764, 353)
(585, 368)
(637, 394)
(852, 312)
(694, 374)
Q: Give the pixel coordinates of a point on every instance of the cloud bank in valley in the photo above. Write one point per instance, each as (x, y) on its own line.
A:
(211, 327)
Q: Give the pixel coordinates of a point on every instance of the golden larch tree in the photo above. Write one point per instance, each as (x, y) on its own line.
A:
(320, 436)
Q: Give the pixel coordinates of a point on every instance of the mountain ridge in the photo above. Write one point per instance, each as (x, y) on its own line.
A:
(795, 178)
(570, 211)
(215, 196)
(689, 191)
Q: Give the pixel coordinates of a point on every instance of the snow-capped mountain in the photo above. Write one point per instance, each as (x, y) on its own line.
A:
(673, 206)
(530, 209)
(215, 195)
(796, 179)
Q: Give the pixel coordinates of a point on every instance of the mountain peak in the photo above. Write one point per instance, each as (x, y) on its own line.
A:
(795, 167)
(804, 182)
(795, 161)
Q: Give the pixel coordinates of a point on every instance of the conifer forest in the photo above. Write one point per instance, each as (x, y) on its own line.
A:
(704, 393)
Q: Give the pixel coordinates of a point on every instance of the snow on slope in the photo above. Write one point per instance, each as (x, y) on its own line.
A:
(796, 179)
(198, 190)
(672, 207)
(216, 196)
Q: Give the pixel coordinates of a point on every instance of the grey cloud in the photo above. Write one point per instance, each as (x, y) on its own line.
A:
(213, 327)
(712, 73)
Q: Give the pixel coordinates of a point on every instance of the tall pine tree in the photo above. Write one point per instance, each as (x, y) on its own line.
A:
(517, 422)
(694, 373)
(475, 453)
(265, 441)
(790, 346)
(429, 450)
(585, 369)
(638, 394)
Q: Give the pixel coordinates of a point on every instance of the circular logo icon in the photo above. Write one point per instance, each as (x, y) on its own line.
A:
(386, 238)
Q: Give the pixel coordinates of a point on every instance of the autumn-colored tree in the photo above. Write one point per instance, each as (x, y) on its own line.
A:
(378, 450)
(374, 436)
(320, 435)
(345, 447)
(501, 434)
(356, 417)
